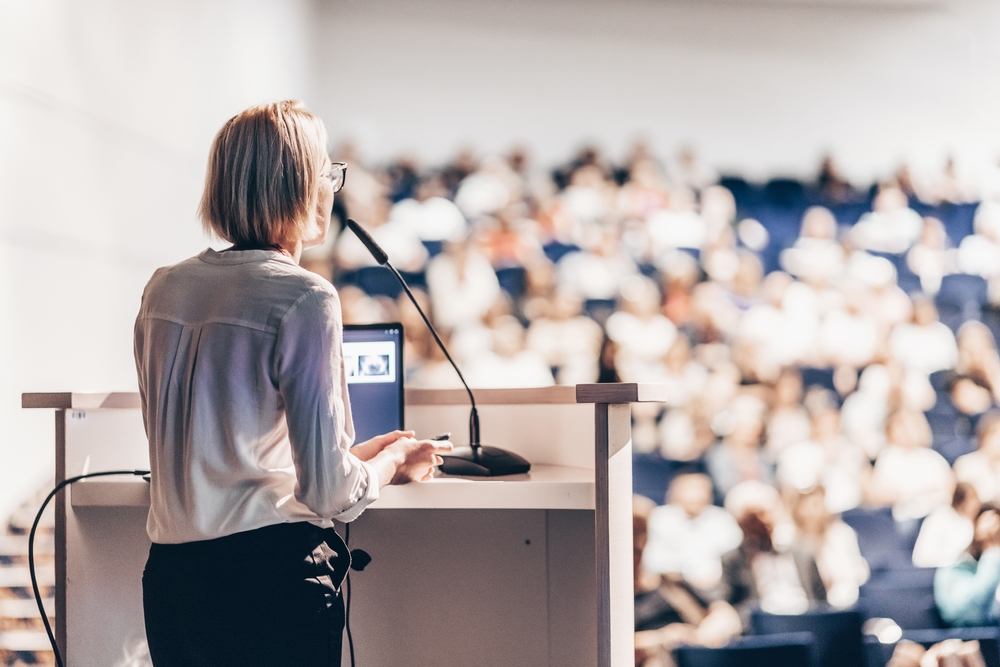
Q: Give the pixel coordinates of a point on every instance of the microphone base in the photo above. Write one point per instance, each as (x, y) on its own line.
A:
(483, 461)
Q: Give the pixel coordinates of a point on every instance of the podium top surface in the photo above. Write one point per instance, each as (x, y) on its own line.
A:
(619, 392)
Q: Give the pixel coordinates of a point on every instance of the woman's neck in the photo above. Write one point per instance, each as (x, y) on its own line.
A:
(292, 250)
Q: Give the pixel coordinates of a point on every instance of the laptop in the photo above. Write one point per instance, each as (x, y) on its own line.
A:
(373, 362)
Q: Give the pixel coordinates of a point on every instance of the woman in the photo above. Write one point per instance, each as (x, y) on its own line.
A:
(832, 543)
(244, 399)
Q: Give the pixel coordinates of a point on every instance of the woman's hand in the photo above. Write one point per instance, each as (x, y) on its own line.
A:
(419, 458)
(400, 459)
(367, 450)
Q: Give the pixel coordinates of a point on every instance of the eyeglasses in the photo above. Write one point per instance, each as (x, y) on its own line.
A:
(337, 174)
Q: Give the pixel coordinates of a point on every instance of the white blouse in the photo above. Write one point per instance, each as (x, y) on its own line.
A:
(244, 398)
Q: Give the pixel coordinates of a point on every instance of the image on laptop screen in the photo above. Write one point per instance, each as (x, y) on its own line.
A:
(373, 361)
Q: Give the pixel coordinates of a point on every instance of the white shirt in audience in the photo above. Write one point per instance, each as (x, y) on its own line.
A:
(944, 537)
(841, 564)
(594, 276)
(837, 468)
(641, 341)
(927, 348)
(436, 219)
(918, 477)
(690, 547)
(461, 297)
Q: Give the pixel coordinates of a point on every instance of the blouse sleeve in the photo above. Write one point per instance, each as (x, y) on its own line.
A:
(309, 367)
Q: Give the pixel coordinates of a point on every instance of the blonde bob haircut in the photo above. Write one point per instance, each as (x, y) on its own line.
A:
(263, 176)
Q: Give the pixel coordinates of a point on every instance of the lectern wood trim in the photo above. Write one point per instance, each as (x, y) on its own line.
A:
(613, 534)
(65, 400)
(621, 392)
(523, 396)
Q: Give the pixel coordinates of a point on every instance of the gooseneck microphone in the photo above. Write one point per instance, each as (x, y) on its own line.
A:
(476, 460)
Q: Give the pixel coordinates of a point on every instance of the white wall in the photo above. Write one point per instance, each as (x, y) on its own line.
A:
(759, 87)
(107, 109)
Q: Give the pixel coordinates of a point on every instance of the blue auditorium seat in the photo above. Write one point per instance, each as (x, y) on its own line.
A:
(434, 247)
(837, 633)
(786, 650)
(513, 280)
(786, 193)
(745, 194)
(883, 543)
(555, 250)
(958, 220)
(817, 377)
(652, 474)
(599, 309)
(961, 299)
(905, 595)
(379, 281)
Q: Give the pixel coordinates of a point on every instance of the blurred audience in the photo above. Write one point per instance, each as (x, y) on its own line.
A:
(803, 333)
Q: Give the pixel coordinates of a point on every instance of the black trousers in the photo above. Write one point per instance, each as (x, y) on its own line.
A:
(269, 597)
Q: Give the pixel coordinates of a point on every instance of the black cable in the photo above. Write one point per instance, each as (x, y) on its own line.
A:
(347, 595)
(31, 547)
(474, 415)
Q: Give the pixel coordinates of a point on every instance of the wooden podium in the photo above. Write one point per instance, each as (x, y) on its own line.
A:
(527, 570)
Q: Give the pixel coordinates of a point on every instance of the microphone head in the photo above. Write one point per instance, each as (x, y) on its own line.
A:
(380, 255)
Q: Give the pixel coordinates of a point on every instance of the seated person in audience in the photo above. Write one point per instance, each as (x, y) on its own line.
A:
(680, 273)
(849, 336)
(489, 189)
(508, 364)
(828, 460)
(788, 422)
(925, 344)
(931, 259)
(686, 431)
(462, 285)
(759, 574)
(832, 543)
(668, 610)
(892, 226)
(909, 475)
(430, 216)
(677, 226)
(643, 334)
(717, 209)
(782, 328)
(979, 363)
(739, 456)
(689, 534)
(683, 375)
(882, 387)
(599, 268)
(979, 252)
(966, 592)
(569, 341)
(645, 193)
(816, 257)
(510, 240)
(981, 468)
(947, 532)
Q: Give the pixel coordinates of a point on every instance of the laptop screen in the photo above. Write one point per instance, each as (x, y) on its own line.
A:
(373, 360)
